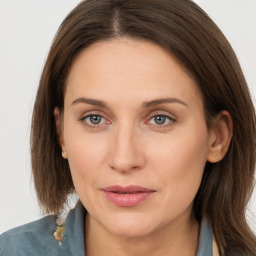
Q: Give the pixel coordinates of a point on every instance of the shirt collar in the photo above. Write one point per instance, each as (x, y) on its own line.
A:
(205, 239)
(73, 240)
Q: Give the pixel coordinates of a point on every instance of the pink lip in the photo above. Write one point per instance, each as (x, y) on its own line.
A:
(127, 196)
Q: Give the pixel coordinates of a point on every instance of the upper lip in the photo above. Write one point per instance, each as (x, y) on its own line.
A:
(127, 189)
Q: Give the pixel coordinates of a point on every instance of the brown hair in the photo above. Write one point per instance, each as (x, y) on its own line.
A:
(187, 32)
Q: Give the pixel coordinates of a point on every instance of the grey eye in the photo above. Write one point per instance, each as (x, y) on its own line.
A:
(160, 119)
(95, 119)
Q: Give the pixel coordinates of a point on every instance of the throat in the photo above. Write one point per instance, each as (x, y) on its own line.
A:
(181, 239)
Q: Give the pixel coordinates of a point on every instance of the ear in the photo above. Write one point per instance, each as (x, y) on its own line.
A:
(220, 137)
(59, 130)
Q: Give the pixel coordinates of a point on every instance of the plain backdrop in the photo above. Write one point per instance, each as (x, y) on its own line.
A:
(27, 29)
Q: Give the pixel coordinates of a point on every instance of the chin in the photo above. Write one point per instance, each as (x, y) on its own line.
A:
(131, 231)
(130, 225)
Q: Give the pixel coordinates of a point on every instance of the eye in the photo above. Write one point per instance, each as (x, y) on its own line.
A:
(93, 120)
(161, 120)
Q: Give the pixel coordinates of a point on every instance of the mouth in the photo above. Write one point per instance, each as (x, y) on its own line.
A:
(128, 196)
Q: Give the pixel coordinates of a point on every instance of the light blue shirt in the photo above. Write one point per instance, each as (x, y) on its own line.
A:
(36, 238)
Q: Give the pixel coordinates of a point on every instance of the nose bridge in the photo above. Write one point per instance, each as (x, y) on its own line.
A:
(126, 152)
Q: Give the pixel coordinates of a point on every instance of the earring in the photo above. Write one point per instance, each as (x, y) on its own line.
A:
(64, 154)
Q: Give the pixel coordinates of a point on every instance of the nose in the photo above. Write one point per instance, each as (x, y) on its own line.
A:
(127, 152)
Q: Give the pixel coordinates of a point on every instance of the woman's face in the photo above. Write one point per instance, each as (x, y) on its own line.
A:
(135, 136)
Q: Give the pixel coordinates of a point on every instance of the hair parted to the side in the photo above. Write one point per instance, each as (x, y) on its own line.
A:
(187, 32)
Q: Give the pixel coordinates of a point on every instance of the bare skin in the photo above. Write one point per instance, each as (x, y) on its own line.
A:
(134, 116)
(164, 242)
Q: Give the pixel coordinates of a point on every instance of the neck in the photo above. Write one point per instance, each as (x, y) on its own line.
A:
(178, 238)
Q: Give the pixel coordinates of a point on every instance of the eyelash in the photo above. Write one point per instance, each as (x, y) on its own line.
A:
(83, 120)
(171, 122)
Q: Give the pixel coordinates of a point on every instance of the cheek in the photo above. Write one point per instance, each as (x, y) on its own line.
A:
(85, 155)
(180, 161)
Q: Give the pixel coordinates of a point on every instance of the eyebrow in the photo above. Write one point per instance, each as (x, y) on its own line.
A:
(93, 102)
(147, 104)
(161, 101)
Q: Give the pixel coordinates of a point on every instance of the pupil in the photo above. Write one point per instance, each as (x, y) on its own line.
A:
(95, 119)
(160, 119)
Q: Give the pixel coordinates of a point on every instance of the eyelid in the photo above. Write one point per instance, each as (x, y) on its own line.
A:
(172, 120)
(91, 113)
(162, 113)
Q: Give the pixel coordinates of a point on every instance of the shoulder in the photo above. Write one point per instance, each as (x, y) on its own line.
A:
(34, 238)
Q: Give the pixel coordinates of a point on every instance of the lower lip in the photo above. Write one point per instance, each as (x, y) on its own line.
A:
(127, 200)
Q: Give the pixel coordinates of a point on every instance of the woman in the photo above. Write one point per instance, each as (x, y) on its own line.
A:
(144, 112)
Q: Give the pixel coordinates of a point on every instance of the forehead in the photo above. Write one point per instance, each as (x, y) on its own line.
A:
(124, 67)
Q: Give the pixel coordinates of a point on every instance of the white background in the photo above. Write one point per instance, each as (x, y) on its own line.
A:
(26, 32)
